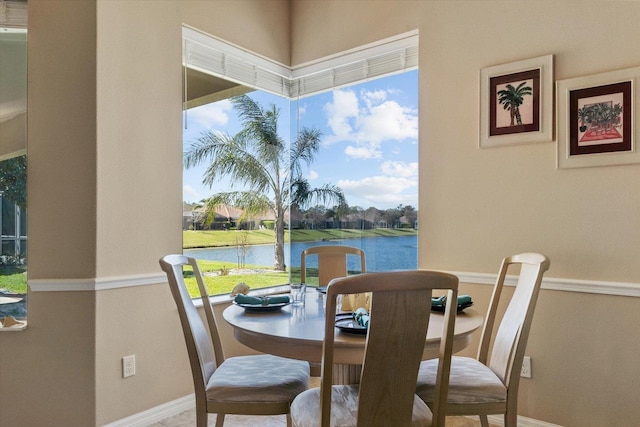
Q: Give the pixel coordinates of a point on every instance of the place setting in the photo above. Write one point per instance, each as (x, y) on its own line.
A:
(354, 323)
(268, 303)
(439, 304)
(357, 322)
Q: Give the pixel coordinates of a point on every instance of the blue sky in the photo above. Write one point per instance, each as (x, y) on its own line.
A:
(369, 139)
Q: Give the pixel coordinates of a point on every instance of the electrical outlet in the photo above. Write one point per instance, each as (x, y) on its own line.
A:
(128, 366)
(526, 367)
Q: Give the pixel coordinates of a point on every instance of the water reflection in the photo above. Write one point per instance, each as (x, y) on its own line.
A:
(383, 253)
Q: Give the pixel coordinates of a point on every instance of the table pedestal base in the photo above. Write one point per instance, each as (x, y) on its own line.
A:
(346, 374)
(342, 374)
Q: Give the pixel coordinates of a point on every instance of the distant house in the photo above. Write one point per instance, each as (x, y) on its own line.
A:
(224, 217)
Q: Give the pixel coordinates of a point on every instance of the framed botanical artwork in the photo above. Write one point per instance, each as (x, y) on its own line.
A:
(596, 119)
(516, 102)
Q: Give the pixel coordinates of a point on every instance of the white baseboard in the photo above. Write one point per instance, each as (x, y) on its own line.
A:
(498, 420)
(158, 413)
(166, 410)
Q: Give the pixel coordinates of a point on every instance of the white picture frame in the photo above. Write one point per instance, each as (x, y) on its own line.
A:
(535, 74)
(572, 97)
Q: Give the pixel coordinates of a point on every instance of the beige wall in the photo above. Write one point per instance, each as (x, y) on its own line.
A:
(104, 147)
(105, 141)
(580, 218)
(477, 206)
(48, 370)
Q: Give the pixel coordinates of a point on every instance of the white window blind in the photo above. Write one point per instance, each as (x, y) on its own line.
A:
(13, 14)
(213, 56)
(390, 56)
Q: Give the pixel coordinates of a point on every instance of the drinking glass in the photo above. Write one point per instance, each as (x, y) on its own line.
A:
(298, 291)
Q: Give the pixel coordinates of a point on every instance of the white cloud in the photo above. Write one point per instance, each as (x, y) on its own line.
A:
(190, 194)
(313, 175)
(380, 190)
(387, 121)
(340, 112)
(362, 152)
(373, 97)
(400, 169)
(368, 122)
(210, 115)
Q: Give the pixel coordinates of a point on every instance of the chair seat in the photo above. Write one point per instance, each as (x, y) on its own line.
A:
(305, 410)
(471, 382)
(258, 378)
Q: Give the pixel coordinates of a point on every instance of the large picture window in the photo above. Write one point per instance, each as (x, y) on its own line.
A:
(253, 200)
(13, 168)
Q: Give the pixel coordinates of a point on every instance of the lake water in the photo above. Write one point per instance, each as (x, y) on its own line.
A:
(382, 253)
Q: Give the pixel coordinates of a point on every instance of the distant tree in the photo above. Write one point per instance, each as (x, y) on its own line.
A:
(257, 159)
(392, 216)
(410, 214)
(329, 213)
(357, 211)
(373, 215)
(314, 217)
(13, 180)
(337, 212)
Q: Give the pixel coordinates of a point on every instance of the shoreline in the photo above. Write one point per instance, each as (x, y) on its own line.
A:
(228, 238)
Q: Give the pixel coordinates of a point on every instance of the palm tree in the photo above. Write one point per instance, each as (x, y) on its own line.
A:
(257, 159)
(512, 98)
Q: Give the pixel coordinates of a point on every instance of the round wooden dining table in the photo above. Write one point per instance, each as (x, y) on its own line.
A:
(297, 332)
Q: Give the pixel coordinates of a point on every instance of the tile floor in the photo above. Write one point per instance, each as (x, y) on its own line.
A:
(188, 419)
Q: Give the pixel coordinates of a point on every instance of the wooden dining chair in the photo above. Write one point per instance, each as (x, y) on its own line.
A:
(332, 262)
(395, 342)
(489, 384)
(248, 385)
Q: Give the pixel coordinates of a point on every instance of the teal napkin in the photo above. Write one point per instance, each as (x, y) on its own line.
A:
(362, 317)
(438, 302)
(245, 299)
(441, 301)
(464, 299)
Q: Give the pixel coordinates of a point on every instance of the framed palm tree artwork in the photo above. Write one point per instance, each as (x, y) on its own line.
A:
(516, 102)
(596, 116)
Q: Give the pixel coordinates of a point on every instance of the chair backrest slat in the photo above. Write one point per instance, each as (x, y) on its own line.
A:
(209, 314)
(196, 335)
(508, 347)
(399, 318)
(392, 356)
(332, 262)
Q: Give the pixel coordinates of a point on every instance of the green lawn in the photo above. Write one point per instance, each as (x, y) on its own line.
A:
(13, 279)
(206, 239)
(223, 284)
